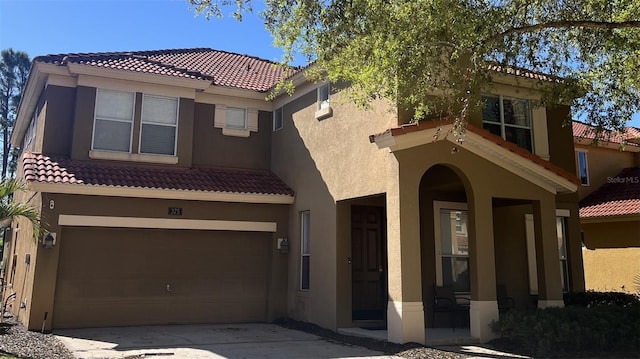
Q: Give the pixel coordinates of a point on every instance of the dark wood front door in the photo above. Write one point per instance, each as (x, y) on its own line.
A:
(368, 264)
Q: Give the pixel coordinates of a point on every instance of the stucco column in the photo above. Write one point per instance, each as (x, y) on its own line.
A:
(482, 269)
(547, 256)
(405, 312)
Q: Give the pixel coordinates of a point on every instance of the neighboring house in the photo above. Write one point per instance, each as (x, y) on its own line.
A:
(609, 172)
(176, 194)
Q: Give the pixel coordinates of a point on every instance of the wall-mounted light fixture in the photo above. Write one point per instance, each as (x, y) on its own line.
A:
(49, 240)
(283, 245)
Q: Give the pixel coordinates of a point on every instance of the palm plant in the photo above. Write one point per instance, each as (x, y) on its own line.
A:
(10, 209)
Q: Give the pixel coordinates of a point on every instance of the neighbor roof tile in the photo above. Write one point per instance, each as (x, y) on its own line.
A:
(618, 197)
(53, 169)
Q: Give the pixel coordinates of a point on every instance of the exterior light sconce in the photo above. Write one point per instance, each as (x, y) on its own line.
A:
(283, 245)
(49, 240)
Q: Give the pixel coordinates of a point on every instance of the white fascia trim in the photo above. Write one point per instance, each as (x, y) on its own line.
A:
(235, 92)
(137, 76)
(484, 148)
(165, 223)
(35, 83)
(112, 191)
(234, 101)
(135, 86)
(62, 80)
(611, 219)
(516, 164)
(628, 147)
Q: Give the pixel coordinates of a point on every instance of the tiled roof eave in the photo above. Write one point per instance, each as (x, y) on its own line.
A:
(160, 193)
(489, 146)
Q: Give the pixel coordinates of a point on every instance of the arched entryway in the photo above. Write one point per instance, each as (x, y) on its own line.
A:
(444, 240)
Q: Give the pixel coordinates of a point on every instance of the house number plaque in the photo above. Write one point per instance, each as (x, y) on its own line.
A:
(175, 211)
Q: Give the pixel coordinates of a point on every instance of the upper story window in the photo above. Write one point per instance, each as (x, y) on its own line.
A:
(113, 120)
(159, 125)
(30, 135)
(583, 168)
(324, 108)
(277, 119)
(323, 96)
(508, 118)
(236, 118)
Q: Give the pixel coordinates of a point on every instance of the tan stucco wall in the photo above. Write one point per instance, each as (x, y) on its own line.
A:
(23, 244)
(46, 274)
(212, 148)
(612, 234)
(325, 162)
(603, 163)
(611, 269)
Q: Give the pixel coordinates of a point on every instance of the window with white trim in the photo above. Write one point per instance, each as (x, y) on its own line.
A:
(562, 216)
(561, 230)
(30, 135)
(236, 118)
(159, 125)
(508, 118)
(323, 96)
(452, 245)
(583, 168)
(305, 253)
(277, 119)
(113, 122)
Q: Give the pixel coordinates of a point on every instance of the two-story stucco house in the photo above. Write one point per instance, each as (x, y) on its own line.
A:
(609, 193)
(176, 194)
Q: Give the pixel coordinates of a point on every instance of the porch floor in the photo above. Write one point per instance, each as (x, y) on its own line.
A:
(433, 336)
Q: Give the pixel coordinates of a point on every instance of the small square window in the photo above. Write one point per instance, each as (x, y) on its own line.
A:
(323, 96)
(277, 119)
(236, 118)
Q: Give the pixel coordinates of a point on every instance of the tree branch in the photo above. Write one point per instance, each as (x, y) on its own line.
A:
(563, 24)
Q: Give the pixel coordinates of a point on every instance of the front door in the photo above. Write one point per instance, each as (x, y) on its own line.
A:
(369, 289)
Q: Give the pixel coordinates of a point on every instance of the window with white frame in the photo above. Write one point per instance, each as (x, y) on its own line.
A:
(562, 216)
(236, 118)
(508, 118)
(561, 230)
(277, 119)
(113, 122)
(159, 125)
(452, 245)
(583, 168)
(305, 254)
(323, 96)
(30, 135)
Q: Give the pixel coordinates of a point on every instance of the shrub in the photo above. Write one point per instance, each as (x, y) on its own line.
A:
(573, 329)
(591, 299)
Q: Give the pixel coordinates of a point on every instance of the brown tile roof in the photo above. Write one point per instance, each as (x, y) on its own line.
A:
(619, 196)
(220, 67)
(585, 131)
(60, 170)
(425, 125)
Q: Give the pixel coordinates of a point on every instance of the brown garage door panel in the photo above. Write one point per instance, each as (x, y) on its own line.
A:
(120, 277)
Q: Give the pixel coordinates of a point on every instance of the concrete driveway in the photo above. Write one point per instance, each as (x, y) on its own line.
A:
(204, 341)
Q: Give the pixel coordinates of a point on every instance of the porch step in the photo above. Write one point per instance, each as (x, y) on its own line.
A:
(433, 336)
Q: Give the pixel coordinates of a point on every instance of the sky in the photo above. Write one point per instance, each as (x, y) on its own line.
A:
(41, 27)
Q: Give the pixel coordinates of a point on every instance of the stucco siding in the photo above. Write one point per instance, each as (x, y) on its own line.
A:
(612, 269)
(602, 164)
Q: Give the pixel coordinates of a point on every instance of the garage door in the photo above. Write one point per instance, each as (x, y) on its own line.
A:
(110, 277)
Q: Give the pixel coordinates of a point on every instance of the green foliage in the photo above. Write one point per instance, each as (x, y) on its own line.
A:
(408, 50)
(573, 329)
(10, 209)
(592, 299)
(14, 70)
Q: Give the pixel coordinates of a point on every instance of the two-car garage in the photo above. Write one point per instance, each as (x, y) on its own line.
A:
(129, 276)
